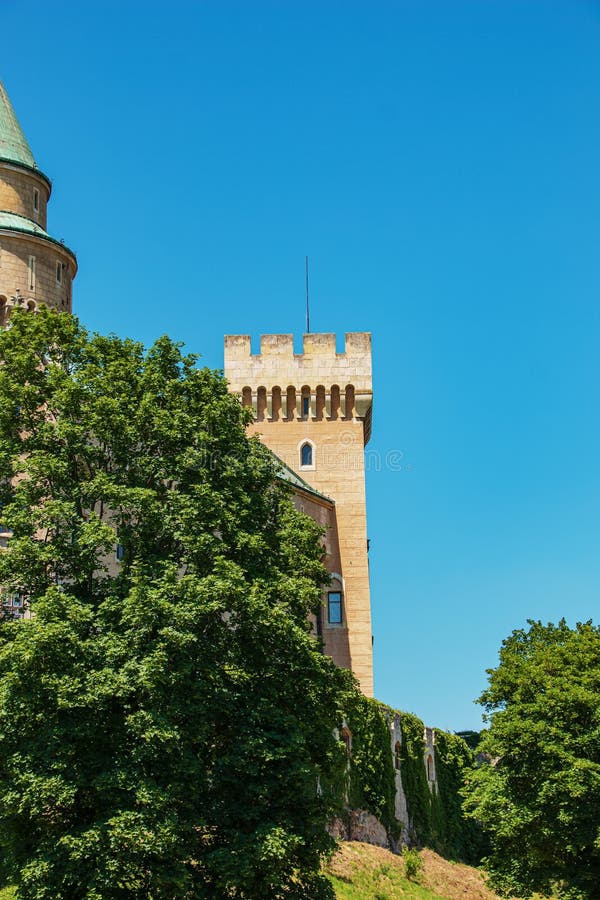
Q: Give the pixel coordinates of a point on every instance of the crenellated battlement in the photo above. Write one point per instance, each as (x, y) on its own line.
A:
(317, 384)
(358, 345)
(318, 364)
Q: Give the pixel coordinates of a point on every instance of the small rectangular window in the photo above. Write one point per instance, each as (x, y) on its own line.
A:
(59, 273)
(36, 200)
(305, 406)
(120, 552)
(334, 607)
(32, 273)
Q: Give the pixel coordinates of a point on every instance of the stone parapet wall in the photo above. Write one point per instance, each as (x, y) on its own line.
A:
(318, 364)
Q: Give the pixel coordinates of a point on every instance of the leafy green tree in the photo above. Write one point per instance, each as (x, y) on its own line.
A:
(539, 799)
(471, 738)
(166, 720)
(453, 834)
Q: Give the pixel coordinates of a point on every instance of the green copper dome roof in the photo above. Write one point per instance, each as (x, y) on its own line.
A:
(22, 225)
(13, 143)
(15, 222)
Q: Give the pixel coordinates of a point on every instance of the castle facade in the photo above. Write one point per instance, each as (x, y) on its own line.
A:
(312, 409)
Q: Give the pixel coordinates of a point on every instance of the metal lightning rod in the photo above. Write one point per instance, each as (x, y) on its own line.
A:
(307, 305)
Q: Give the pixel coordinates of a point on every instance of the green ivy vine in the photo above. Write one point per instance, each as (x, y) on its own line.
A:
(372, 786)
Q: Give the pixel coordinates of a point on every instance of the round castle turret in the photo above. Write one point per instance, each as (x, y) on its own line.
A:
(34, 267)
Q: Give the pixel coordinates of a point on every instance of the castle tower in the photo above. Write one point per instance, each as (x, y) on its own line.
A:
(34, 267)
(314, 411)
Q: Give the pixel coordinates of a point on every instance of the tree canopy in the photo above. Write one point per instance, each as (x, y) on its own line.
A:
(166, 718)
(539, 799)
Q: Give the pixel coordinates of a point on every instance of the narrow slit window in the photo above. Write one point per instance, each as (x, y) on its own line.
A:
(306, 455)
(120, 552)
(334, 607)
(32, 273)
(59, 273)
(36, 200)
(305, 406)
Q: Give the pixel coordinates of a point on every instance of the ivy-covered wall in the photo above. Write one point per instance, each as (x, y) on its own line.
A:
(371, 783)
(414, 779)
(435, 816)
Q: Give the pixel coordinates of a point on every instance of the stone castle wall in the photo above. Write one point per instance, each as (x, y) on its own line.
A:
(361, 825)
(335, 638)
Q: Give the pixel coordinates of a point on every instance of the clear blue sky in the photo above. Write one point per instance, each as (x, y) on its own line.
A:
(439, 162)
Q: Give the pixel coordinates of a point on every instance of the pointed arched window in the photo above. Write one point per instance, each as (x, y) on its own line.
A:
(306, 455)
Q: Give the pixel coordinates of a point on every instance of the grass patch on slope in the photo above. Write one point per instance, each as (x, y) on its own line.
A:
(363, 872)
